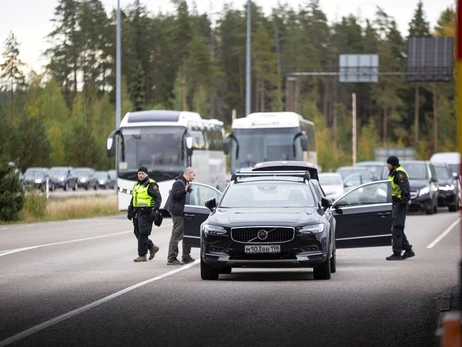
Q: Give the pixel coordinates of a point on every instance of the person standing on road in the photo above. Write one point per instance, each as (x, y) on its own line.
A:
(144, 210)
(400, 191)
(175, 205)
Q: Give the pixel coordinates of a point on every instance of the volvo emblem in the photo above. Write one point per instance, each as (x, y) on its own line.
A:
(262, 234)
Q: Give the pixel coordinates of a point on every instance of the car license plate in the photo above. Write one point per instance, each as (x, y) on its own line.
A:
(263, 249)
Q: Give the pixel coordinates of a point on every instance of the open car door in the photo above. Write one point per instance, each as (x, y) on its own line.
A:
(363, 216)
(195, 212)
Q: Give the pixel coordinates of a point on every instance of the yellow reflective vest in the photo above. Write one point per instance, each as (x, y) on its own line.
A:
(395, 189)
(141, 198)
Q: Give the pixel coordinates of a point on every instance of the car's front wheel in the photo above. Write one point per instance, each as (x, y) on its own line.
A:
(323, 271)
(208, 272)
(333, 262)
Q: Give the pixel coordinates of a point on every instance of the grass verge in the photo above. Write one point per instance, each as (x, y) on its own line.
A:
(38, 209)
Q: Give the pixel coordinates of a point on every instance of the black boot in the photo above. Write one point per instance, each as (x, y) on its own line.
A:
(395, 256)
(408, 254)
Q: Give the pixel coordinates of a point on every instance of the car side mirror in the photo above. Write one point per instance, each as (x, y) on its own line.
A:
(326, 202)
(211, 204)
(340, 204)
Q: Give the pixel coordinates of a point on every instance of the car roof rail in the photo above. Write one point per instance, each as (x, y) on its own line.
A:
(299, 173)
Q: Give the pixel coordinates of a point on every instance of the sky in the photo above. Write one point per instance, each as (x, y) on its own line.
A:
(29, 20)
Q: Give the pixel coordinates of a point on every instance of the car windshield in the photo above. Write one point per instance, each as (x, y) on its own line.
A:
(442, 173)
(59, 172)
(102, 175)
(416, 171)
(455, 168)
(82, 172)
(267, 194)
(345, 172)
(330, 180)
(34, 173)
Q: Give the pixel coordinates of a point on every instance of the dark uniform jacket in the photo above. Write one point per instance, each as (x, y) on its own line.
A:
(178, 196)
(153, 191)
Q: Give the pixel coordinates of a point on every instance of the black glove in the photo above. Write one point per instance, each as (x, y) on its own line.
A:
(130, 213)
(155, 215)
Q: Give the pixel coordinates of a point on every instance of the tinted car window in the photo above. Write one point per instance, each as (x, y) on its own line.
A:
(268, 194)
(200, 194)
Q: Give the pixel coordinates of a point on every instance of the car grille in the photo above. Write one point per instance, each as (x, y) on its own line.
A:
(262, 234)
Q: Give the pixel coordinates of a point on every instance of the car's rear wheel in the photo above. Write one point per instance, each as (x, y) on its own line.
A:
(323, 271)
(208, 272)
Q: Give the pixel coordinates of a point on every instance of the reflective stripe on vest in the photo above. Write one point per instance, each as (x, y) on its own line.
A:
(141, 198)
(395, 189)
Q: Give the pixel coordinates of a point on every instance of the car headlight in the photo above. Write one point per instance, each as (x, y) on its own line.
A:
(312, 229)
(447, 187)
(38, 180)
(214, 229)
(424, 191)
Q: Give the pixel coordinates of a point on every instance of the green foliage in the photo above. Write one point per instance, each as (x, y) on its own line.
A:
(35, 204)
(11, 193)
(180, 61)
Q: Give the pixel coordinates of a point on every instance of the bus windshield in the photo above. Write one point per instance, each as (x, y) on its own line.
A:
(159, 148)
(264, 144)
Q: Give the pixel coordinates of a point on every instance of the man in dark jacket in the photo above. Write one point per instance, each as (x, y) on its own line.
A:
(144, 210)
(400, 192)
(176, 204)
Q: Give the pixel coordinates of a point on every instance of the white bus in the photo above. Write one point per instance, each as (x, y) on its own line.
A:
(267, 136)
(166, 142)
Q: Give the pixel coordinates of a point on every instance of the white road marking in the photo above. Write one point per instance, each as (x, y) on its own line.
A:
(12, 251)
(447, 231)
(17, 250)
(96, 303)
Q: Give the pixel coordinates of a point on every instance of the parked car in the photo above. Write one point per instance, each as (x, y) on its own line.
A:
(103, 179)
(289, 165)
(275, 218)
(36, 177)
(450, 158)
(86, 178)
(332, 184)
(113, 179)
(374, 167)
(424, 187)
(354, 176)
(448, 185)
(63, 177)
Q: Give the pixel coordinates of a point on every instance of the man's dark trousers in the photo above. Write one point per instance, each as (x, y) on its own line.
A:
(143, 227)
(399, 239)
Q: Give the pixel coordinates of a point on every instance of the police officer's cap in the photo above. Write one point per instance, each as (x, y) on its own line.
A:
(393, 160)
(143, 169)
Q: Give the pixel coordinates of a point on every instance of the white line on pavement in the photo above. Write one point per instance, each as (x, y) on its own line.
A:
(447, 231)
(12, 251)
(77, 311)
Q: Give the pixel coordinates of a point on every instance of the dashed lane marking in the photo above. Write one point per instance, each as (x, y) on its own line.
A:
(443, 235)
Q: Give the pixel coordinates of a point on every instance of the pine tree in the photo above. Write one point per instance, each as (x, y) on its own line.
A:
(10, 70)
(66, 41)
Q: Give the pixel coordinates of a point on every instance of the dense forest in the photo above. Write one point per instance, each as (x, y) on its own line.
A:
(183, 61)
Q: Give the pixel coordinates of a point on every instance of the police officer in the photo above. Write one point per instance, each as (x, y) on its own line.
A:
(400, 191)
(144, 210)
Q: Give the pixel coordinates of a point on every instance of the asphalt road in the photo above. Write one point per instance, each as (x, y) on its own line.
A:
(74, 283)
